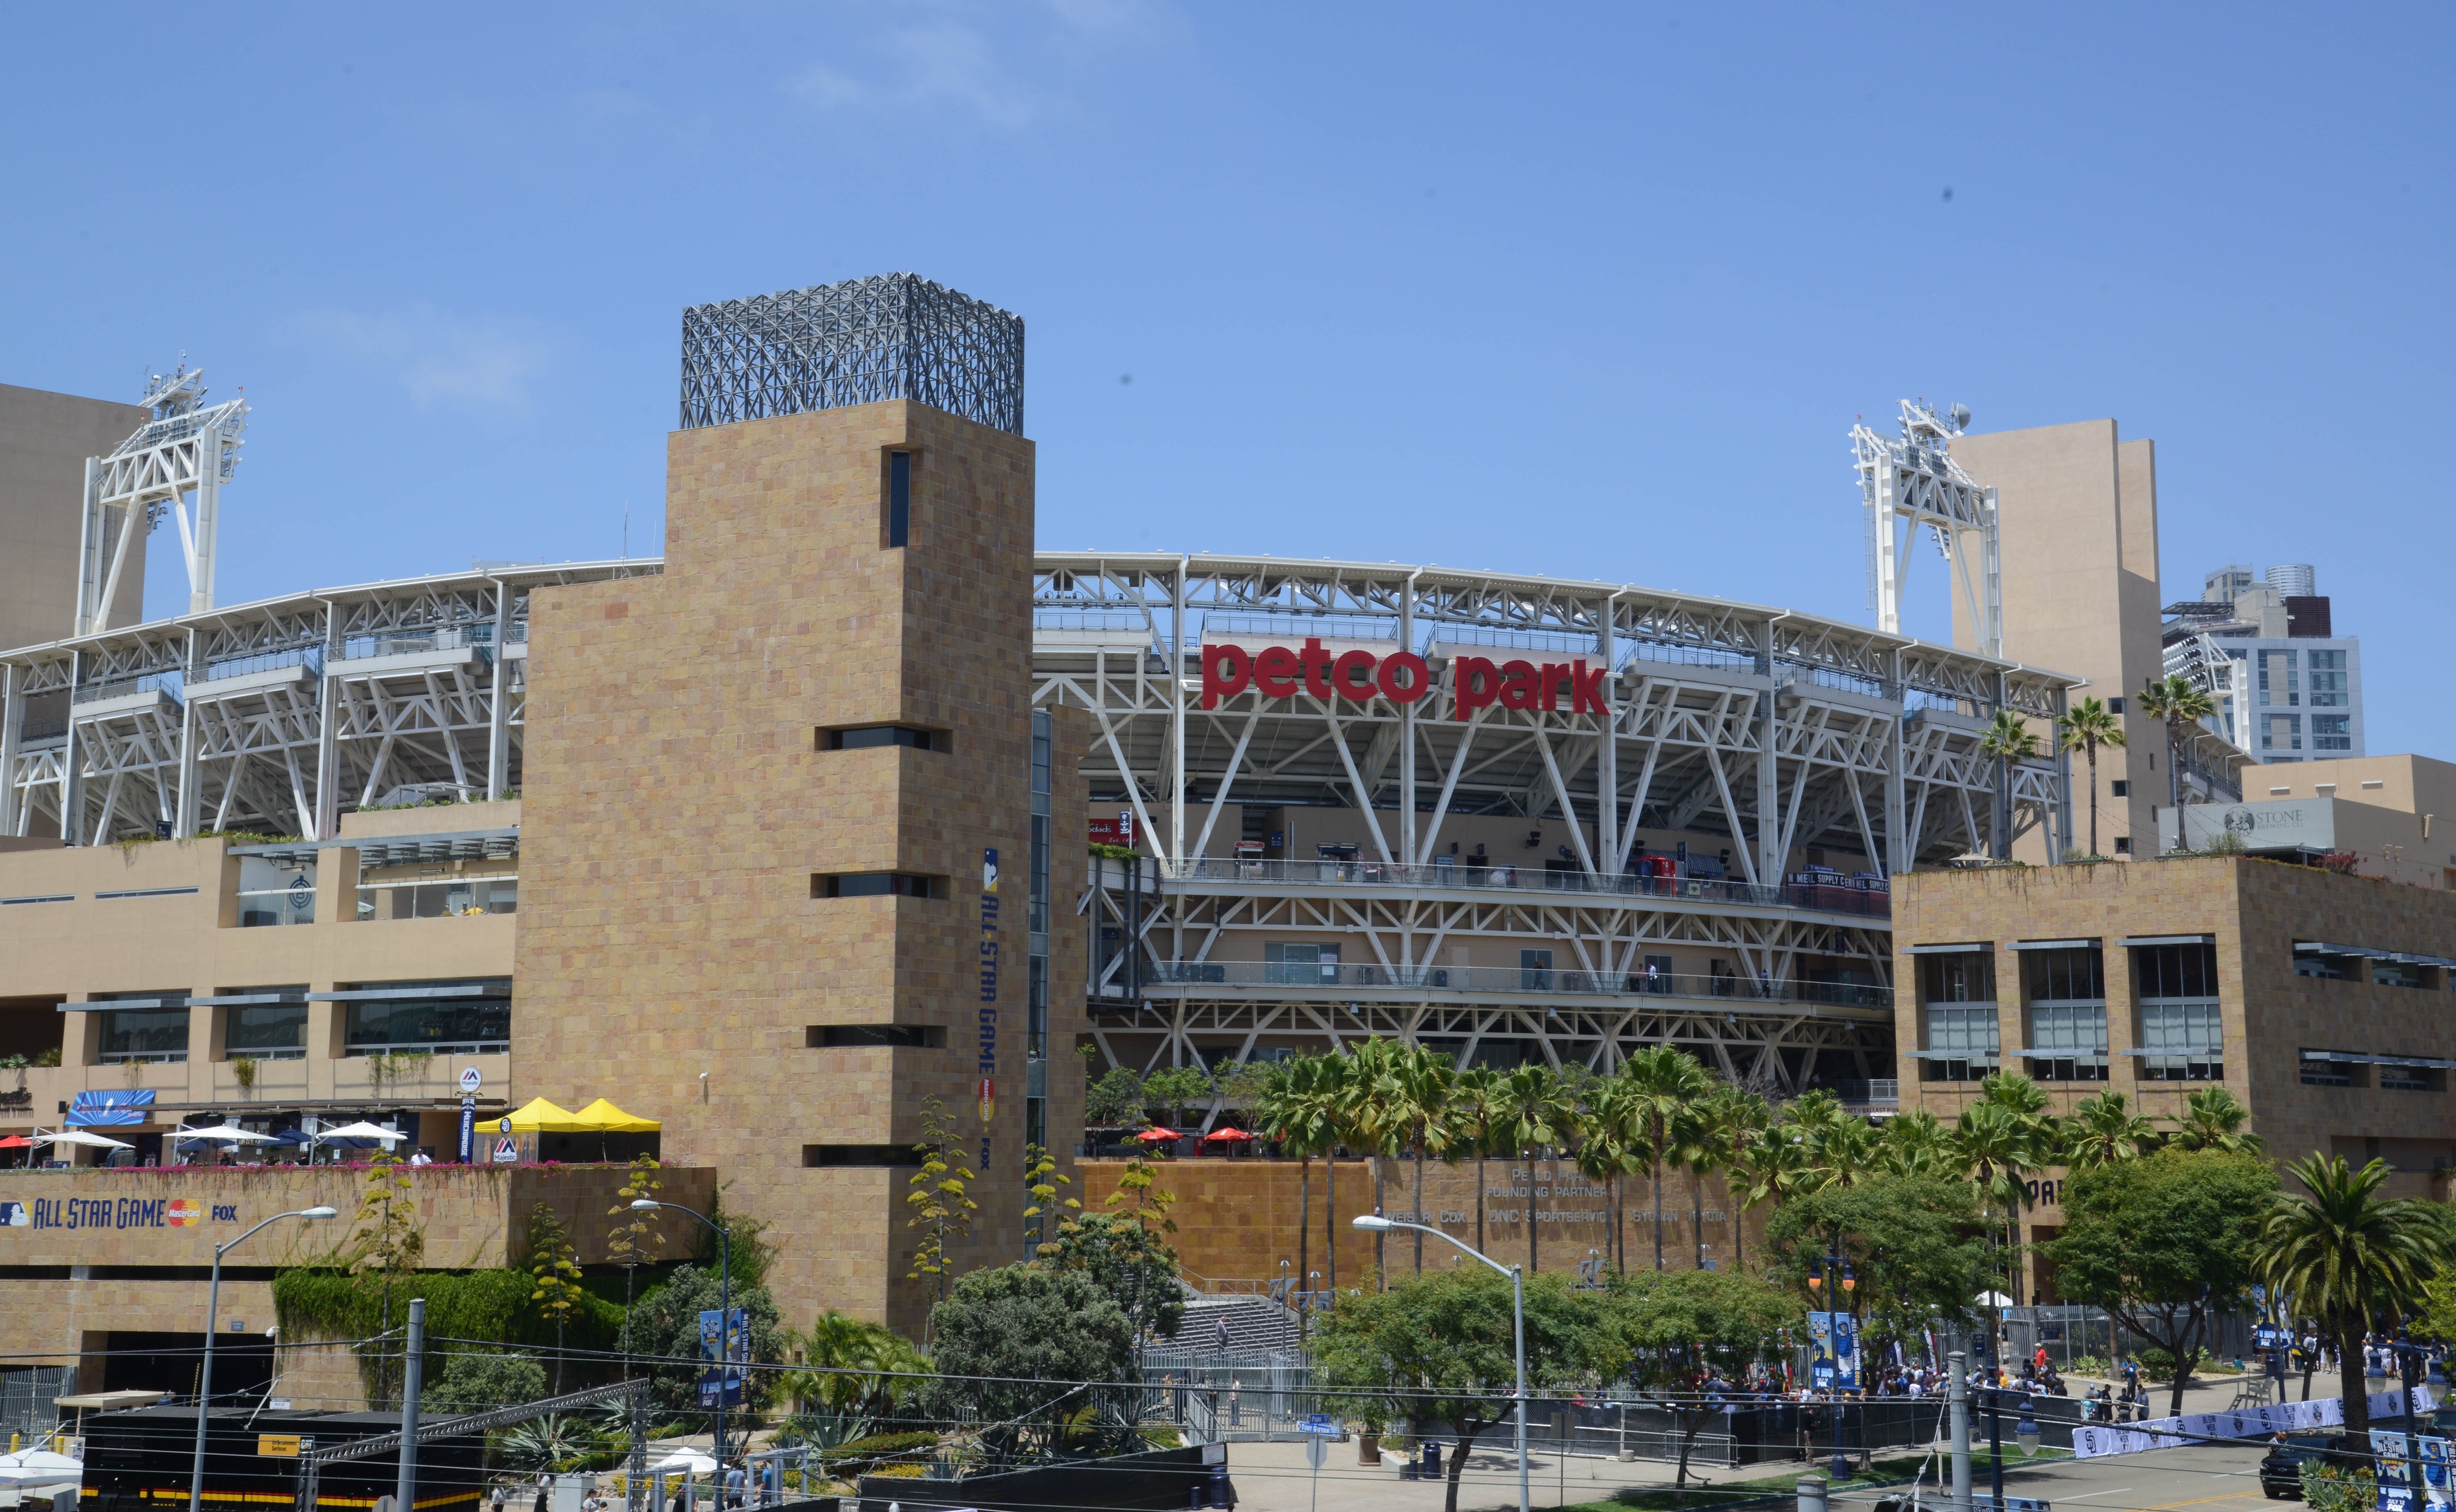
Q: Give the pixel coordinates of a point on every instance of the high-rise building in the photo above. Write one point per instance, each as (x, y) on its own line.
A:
(2287, 688)
(45, 439)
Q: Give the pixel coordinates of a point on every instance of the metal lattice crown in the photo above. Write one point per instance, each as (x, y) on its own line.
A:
(897, 336)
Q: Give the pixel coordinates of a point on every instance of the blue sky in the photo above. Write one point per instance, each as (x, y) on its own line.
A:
(1592, 292)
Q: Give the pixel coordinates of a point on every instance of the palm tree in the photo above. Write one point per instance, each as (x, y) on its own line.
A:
(1603, 1151)
(1768, 1165)
(1736, 1115)
(1418, 1084)
(1293, 1108)
(2103, 1130)
(1371, 1119)
(1534, 1116)
(2180, 704)
(1916, 1144)
(2009, 738)
(1707, 1137)
(2087, 725)
(1474, 1116)
(1840, 1151)
(2351, 1260)
(2213, 1119)
(1663, 1084)
(2000, 1138)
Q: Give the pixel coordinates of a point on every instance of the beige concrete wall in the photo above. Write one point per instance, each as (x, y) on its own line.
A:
(672, 953)
(55, 952)
(45, 439)
(2079, 512)
(2394, 811)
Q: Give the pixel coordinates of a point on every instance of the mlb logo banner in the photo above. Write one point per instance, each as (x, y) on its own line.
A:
(15, 1216)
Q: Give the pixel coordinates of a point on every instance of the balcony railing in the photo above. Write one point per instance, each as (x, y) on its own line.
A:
(1831, 892)
(1334, 977)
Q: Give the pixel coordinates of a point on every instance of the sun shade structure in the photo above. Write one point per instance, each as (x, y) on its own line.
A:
(1222, 1136)
(604, 1117)
(1154, 1137)
(224, 1131)
(78, 1137)
(361, 1130)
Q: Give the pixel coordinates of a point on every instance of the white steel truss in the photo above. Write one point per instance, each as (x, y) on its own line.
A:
(275, 717)
(1912, 480)
(186, 448)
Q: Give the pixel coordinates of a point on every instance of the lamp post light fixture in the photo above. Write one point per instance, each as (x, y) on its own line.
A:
(1374, 1223)
(723, 1314)
(213, 1307)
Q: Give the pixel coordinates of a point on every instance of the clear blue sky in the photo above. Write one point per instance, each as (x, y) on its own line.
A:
(1592, 291)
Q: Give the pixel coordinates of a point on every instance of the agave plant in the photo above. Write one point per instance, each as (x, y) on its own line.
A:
(555, 1443)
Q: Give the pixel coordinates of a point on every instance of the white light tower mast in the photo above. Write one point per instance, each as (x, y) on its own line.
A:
(1913, 481)
(187, 447)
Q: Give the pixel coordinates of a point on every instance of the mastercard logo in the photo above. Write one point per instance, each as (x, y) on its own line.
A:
(185, 1213)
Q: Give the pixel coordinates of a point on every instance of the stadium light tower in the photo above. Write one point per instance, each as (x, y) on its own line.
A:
(1911, 481)
(187, 447)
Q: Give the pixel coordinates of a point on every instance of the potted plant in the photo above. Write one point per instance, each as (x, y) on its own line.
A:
(1368, 1439)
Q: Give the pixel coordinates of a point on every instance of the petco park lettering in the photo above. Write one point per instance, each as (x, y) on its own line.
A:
(1402, 677)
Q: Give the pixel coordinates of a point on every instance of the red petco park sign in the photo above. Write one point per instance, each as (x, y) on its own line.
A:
(1402, 677)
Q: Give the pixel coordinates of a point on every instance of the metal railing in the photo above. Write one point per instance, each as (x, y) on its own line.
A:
(1335, 977)
(1831, 892)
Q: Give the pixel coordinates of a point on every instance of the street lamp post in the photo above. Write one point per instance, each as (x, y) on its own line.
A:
(724, 1321)
(212, 1308)
(1374, 1223)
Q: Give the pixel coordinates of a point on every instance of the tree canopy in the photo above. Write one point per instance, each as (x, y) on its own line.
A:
(1013, 1328)
(2165, 1243)
(1917, 1245)
(1133, 1265)
(1679, 1329)
(1439, 1347)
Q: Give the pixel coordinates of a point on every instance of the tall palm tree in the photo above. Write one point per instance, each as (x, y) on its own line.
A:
(1474, 1118)
(1735, 1114)
(1293, 1108)
(2178, 703)
(1371, 1120)
(2214, 1119)
(1661, 1085)
(2103, 1130)
(2086, 727)
(1419, 1084)
(2351, 1260)
(1705, 1143)
(1840, 1151)
(1604, 1150)
(2000, 1141)
(1769, 1165)
(1916, 1144)
(1534, 1116)
(2009, 738)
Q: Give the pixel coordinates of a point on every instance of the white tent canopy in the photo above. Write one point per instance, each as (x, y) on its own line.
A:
(33, 1467)
(78, 1137)
(360, 1131)
(686, 1461)
(222, 1132)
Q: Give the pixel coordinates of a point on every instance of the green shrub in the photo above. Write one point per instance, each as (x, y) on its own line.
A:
(2332, 1488)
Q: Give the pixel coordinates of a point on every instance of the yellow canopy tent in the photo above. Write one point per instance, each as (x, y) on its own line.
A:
(604, 1117)
(540, 1116)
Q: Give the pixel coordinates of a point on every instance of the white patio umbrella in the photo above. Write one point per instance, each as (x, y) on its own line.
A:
(229, 1130)
(1994, 1300)
(78, 1137)
(360, 1131)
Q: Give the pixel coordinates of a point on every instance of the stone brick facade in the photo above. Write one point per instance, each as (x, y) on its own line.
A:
(672, 952)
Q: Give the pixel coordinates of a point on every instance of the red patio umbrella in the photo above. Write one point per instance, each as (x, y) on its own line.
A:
(17, 1142)
(1220, 1137)
(1153, 1136)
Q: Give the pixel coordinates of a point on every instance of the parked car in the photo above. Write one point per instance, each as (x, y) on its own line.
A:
(2280, 1469)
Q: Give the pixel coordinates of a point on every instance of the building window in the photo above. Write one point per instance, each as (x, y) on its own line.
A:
(2119, 788)
(2332, 731)
(2123, 845)
(1959, 1036)
(874, 1036)
(2394, 1076)
(479, 1023)
(415, 892)
(2115, 706)
(266, 1031)
(869, 737)
(2067, 1003)
(1299, 963)
(899, 498)
(877, 884)
(856, 1156)
(2182, 1034)
(2324, 964)
(2279, 686)
(2327, 681)
(145, 1034)
(2323, 1069)
(2401, 973)
(2281, 732)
